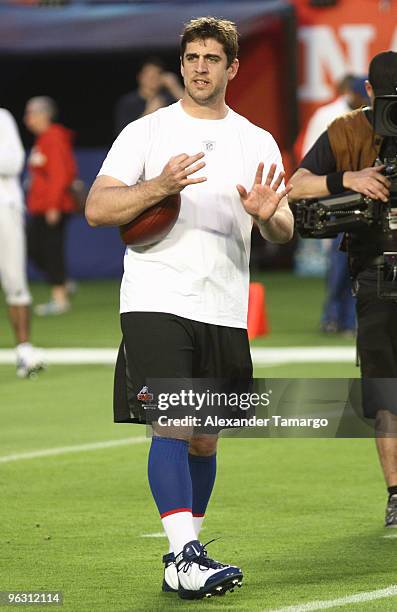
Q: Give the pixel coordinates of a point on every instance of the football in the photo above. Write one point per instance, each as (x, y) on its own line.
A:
(153, 224)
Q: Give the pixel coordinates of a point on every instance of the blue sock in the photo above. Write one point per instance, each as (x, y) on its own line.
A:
(202, 472)
(169, 475)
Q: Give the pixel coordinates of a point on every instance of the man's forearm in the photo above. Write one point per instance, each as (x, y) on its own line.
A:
(307, 185)
(119, 205)
(279, 228)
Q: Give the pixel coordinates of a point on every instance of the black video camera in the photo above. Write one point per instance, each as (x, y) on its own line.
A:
(329, 216)
(385, 116)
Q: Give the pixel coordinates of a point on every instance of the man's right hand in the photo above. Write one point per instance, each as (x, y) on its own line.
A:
(176, 173)
(113, 202)
(370, 182)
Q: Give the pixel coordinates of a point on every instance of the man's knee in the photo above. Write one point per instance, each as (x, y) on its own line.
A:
(16, 294)
(203, 446)
(177, 433)
(385, 424)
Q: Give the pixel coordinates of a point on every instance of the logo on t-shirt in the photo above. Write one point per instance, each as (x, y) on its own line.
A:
(209, 145)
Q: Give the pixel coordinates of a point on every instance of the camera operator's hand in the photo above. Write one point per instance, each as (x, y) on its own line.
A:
(370, 182)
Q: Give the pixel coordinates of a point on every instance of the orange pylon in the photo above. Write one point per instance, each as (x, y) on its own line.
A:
(258, 323)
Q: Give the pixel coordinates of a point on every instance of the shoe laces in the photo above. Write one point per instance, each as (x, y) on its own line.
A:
(391, 510)
(203, 560)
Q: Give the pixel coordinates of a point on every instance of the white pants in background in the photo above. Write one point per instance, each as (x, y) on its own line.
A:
(13, 275)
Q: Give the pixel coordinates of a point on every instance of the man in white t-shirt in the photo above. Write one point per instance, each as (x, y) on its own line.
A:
(13, 245)
(184, 299)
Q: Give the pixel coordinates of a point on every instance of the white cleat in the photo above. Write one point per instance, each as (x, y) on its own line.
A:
(199, 576)
(170, 580)
(51, 308)
(29, 361)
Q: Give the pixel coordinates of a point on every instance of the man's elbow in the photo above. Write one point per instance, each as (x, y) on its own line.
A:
(287, 236)
(91, 214)
(91, 222)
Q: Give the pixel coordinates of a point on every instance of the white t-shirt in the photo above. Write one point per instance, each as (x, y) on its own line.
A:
(200, 269)
(12, 156)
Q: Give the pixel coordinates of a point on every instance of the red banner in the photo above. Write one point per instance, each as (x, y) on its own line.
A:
(337, 40)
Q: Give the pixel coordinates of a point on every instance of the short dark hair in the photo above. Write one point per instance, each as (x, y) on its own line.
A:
(225, 32)
(152, 61)
(383, 73)
(345, 83)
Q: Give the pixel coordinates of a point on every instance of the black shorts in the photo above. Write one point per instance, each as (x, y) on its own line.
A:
(377, 346)
(166, 346)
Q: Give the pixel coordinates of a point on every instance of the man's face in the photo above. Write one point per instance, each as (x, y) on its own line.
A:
(149, 77)
(355, 100)
(205, 72)
(35, 118)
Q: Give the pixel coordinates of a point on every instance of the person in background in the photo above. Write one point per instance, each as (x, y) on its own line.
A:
(156, 89)
(347, 100)
(13, 246)
(344, 158)
(339, 311)
(52, 169)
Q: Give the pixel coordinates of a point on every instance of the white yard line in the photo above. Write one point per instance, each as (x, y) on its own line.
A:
(302, 354)
(359, 598)
(260, 355)
(77, 448)
(68, 356)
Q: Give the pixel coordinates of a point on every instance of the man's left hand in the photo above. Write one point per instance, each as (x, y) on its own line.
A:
(52, 216)
(172, 84)
(263, 199)
(169, 80)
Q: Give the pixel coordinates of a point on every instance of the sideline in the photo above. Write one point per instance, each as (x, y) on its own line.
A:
(260, 355)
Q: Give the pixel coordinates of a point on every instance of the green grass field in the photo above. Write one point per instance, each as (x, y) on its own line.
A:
(302, 517)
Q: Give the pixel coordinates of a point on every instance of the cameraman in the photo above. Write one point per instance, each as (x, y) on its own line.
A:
(343, 159)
